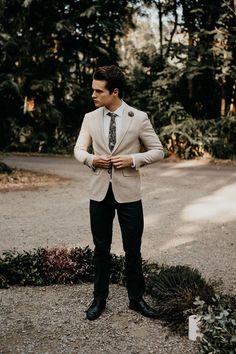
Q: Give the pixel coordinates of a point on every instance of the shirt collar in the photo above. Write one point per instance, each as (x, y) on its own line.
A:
(119, 111)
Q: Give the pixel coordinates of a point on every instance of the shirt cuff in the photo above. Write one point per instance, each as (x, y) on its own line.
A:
(93, 168)
(133, 163)
(89, 162)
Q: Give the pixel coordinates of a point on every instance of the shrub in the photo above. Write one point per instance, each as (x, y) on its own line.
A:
(220, 138)
(3, 282)
(184, 139)
(46, 266)
(175, 289)
(150, 270)
(187, 137)
(57, 267)
(218, 326)
(5, 168)
(83, 257)
(20, 268)
(117, 270)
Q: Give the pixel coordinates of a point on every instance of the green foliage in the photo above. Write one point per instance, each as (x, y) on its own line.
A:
(218, 326)
(5, 168)
(117, 269)
(191, 138)
(83, 258)
(181, 133)
(184, 139)
(186, 92)
(20, 268)
(46, 266)
(180, 136)
(57, 266)
(45, 137)
(175, 289)
(54, 266)
(49, 51)
(220, 139)
(3, 282)
(150, 270)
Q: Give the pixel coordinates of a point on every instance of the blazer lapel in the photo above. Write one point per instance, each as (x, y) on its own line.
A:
(100, 131)
(127, 119)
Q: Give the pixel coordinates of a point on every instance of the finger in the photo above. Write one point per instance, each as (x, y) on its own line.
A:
(114, 158)
(105, 164)
(115, 161)
(118, 165)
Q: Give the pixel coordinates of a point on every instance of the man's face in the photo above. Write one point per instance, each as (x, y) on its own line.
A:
(101, 95)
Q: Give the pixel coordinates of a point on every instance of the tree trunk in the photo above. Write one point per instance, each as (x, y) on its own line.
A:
(232, 107)
(223, 101)
(174, 28)
(222, 107)
(160, 14)
(190, 80)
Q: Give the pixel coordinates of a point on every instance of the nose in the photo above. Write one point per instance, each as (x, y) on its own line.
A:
(93, 94)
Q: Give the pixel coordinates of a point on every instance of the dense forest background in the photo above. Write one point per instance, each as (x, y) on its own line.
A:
(179, 57)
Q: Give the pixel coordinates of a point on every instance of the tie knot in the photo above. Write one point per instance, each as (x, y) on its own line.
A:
(112, 114)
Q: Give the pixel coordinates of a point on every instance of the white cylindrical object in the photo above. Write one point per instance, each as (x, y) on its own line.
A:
(193, 327)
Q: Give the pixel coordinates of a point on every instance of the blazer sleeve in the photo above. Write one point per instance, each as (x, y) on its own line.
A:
(83, 142)
(153, 146)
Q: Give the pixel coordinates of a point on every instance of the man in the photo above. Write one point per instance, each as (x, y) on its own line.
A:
(116, 131)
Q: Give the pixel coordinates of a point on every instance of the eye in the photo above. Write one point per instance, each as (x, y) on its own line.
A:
(96, 91)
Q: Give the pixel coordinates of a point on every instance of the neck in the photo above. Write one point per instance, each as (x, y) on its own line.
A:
(114, 106)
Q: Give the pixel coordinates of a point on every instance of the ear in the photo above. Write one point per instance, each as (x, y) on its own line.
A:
(116, 91)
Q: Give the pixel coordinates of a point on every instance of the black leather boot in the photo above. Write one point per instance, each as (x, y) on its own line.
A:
(95, 309)
(142, 307)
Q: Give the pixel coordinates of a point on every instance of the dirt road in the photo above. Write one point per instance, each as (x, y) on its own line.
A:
(189, 206)
(190, 218)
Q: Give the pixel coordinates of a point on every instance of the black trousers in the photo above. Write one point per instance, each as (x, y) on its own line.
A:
(130, 216)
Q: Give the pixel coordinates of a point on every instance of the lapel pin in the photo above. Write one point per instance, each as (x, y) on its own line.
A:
(131, 114)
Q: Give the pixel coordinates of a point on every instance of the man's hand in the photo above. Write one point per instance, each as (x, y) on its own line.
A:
(121, 161)
(102, 161)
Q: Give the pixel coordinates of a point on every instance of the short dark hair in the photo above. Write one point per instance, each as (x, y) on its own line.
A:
(113, 75)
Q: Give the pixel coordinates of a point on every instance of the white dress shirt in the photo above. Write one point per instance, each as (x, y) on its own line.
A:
(119, 120)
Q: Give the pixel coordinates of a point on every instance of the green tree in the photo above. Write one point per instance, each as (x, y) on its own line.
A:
(51, 49)
(188, 84)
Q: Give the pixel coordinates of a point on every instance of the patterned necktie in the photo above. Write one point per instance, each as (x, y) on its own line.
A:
(112, 130)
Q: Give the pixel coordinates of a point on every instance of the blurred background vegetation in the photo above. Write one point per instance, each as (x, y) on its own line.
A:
(179, 57)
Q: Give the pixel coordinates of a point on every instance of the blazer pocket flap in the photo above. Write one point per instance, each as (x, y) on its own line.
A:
(130, 172)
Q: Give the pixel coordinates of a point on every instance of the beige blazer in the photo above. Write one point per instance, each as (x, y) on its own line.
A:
(136, 129)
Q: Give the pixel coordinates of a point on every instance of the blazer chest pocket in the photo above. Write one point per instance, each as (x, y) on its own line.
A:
(130, 172)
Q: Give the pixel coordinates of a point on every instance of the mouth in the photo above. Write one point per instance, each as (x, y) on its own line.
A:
(96, 102)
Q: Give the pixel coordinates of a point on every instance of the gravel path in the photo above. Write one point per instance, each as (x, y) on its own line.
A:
(52, 320)
(190, 218)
